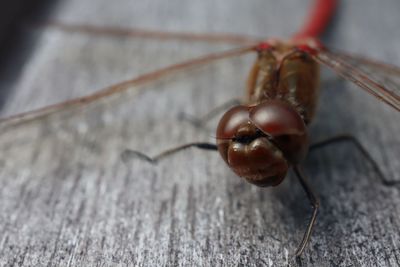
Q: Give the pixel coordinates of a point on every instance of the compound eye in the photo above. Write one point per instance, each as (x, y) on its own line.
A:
(231, 122)
(276, 118)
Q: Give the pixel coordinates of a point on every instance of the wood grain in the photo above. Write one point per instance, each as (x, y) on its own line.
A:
(67, 199)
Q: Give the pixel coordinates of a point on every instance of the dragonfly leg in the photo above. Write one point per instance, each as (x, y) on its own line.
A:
(361, 148)
(199, 122)
(130, 154)
(315, 205)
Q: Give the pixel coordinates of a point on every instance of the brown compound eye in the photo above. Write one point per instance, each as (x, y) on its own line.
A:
(284, 125)
(232, 120)
(276, 118)
(228, 127)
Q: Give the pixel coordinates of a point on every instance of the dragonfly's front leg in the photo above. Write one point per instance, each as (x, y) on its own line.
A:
(315, 205)
(130, 154)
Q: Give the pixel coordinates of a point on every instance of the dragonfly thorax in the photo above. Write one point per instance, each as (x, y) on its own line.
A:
(284, 71)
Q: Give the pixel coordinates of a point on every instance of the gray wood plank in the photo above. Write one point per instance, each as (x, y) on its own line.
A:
(67, 199)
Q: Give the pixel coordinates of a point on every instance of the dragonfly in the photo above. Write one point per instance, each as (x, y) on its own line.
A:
(284, 143)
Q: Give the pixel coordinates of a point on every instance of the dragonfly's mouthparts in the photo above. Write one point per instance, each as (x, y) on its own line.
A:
(260, 162)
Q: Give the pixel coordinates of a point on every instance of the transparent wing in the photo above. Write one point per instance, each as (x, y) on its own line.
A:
(377, 78)
(119, 88)
(143, 113)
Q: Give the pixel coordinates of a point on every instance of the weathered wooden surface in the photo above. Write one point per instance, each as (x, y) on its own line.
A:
(68, 200)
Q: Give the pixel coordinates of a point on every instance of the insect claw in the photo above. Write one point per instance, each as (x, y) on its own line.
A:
(297, 254)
